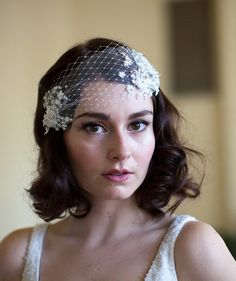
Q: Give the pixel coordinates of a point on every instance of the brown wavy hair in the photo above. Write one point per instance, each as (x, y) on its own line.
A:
(55, 191)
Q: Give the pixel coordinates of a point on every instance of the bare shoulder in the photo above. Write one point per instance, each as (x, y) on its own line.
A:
(12, 252)
(201, 255)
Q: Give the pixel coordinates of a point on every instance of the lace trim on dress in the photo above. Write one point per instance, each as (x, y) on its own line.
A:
(163, 265)
(34, 252)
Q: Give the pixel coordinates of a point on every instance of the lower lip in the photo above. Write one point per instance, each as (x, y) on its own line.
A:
(117, 178)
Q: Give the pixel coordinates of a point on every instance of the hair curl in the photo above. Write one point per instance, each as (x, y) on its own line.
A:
(55, 191)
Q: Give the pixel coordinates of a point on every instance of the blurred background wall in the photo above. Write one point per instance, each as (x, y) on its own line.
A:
(33, 35)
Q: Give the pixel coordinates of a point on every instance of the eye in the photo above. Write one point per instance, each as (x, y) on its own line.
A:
(138, 126)
(94, 128)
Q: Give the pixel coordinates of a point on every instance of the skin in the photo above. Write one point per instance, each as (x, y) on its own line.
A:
(106, 139)
(81, 249)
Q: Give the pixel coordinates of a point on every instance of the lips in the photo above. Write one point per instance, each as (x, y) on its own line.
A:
(117, 175)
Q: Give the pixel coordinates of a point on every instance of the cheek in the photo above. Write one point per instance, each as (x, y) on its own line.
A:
(145, 154)
(148, 153)
(82, 154)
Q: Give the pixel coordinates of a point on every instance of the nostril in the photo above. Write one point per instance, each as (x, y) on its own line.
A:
(118, 155)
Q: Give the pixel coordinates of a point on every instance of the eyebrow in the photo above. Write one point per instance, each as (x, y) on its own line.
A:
(103, 116)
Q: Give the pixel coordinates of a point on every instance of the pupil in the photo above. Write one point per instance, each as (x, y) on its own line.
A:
(136, 126)
(94, 128)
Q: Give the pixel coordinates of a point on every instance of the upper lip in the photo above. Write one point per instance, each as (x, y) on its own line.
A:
(117, 172)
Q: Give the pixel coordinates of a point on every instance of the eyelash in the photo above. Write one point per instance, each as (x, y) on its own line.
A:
(88, 127)
(140, 122)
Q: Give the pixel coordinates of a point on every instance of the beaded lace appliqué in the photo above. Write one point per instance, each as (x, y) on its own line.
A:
(54, 99)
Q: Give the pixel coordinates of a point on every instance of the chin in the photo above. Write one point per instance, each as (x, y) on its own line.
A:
(118, 194)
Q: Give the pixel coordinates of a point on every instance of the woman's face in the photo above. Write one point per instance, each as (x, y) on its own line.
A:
(110, 143)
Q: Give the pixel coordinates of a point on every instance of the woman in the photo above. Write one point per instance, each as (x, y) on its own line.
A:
(112, 167)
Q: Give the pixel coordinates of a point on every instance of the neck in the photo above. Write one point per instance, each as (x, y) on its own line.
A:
(108, 220)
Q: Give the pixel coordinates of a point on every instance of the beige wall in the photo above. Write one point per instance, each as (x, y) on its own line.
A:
(35, 33)
(226, 23)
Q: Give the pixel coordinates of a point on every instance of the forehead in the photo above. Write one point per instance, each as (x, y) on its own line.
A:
(105, 96)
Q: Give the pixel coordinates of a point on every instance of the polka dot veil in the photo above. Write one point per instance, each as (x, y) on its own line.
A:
(92, 75)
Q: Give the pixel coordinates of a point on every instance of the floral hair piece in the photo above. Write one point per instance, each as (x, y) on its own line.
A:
(112, 64)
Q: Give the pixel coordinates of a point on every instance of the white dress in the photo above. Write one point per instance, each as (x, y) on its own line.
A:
(161, 269)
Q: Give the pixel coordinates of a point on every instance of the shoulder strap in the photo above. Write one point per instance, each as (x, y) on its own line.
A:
(163, 266)
(34, 251)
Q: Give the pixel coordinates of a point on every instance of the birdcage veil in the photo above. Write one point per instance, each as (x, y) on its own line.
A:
(91, 75)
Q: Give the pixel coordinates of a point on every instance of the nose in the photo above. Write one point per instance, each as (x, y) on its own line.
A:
(119, 147)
